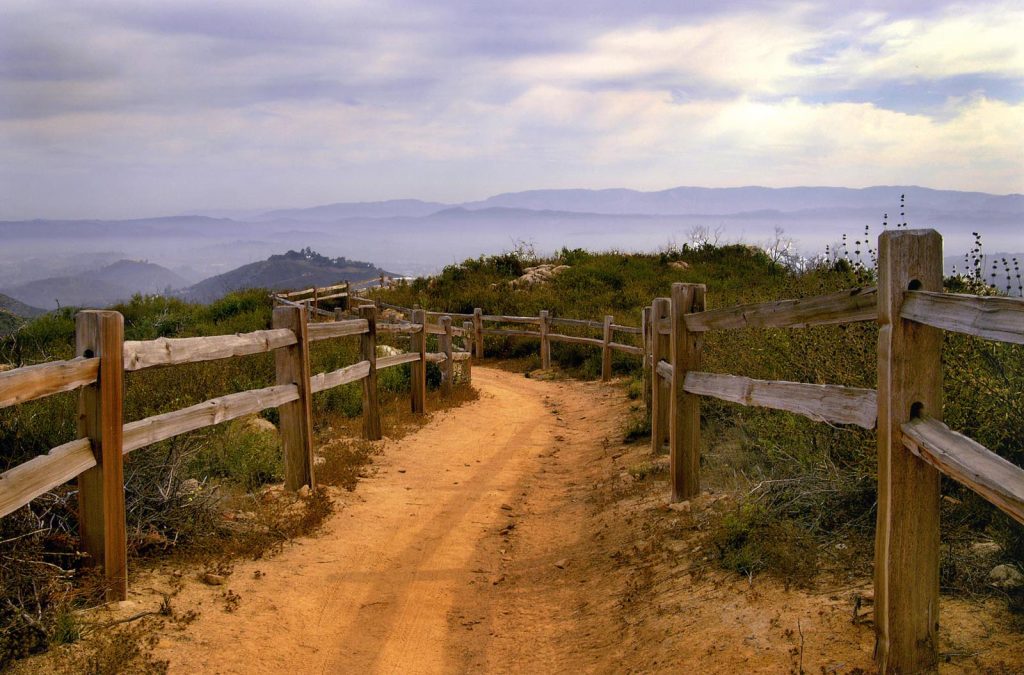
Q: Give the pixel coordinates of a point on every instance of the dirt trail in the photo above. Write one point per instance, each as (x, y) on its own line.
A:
(517, 534)
(374, 592)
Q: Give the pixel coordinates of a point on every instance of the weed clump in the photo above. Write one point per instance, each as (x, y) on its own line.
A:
(751, 540)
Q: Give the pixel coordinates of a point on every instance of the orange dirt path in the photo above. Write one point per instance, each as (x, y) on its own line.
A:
(373, 591)
(516, 534)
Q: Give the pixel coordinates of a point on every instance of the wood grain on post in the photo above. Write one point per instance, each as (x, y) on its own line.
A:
(909, 385)
(418, 378)
(448, 367)
(545, 344)
(101, 511)
(478, 328)
(645, 323)
(368, 349)
(292, 366)
(467, 343)
(606, 350)
(660, 309)
(684, 416)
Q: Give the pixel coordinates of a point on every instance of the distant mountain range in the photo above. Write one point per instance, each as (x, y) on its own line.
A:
(419, 237)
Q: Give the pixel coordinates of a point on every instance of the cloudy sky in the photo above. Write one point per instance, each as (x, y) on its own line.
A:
(119, 109)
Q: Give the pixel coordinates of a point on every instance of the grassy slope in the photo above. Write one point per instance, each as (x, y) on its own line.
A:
(811, 478)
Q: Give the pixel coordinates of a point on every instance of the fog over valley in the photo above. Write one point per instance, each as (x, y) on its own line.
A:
(412, 237)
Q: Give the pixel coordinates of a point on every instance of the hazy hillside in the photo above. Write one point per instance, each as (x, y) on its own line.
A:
(12, 306)
(418, 237)
(723, 201)
(99, 288)
(333, 212)
(292, 270)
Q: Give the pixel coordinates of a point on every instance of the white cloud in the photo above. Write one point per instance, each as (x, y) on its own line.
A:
(355, 102)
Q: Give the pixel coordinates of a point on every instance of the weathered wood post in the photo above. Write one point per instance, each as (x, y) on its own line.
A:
(645, 325)
(684, 416)
(467, 343)
(348, 293)
(101, 511)
(448, 367)
(545, 343)
(478, 331)
(419, 367)
(660, 310)
(368, 348)
(606, 351)
(292, 366)
(909, 384)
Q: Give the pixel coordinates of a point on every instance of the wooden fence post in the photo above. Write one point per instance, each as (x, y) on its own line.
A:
(467, 344)
(419, 368)
(907, 533)
(101, 512)
(368, 348)
(684, 417)
(645, 325)
(478, 330)
(659, 392)
(545, 343)
(606, 351)
(292, 366)
(448, 368)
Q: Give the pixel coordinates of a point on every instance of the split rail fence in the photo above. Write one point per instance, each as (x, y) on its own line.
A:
(475, 324)
(914, 446)
(98, 371)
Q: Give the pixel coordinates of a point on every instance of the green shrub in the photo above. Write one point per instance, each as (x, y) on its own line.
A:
(240, 455)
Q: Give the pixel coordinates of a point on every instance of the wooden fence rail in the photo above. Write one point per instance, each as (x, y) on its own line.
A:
(914, 446)
(95, 458)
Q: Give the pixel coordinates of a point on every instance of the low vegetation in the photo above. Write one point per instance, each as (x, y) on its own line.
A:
(809, 485)
(207, 496)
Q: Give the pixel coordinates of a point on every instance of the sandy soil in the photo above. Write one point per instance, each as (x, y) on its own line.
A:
(510, 535)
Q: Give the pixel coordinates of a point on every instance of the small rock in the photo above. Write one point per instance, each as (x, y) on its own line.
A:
(1006, 577)
(304, 491)
(676, 545)
(682, 507)
(506, 507)
(211, 579)
(258, 424)
(189, 487)
(562, 564)
(986, 548)
(401, 471)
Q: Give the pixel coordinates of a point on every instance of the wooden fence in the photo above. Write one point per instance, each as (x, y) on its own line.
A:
(914, 446)
(98, 370)
(474, 325)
